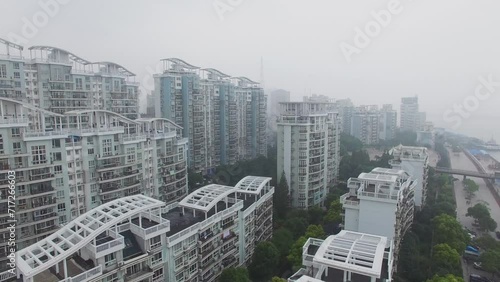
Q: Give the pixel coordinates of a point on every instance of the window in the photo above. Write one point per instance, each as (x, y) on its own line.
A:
(61, 207)
(60, 194)
(93, 188)
(78, 83)
(3, 71)
(16, 132)
(38, 155)
(91, 151)
(59, 182)
(56, 143)
(16, 66)
(17, 74)
(17, 147)
(58, 169)
(56, 156)
(62, 220)
(155, 242)
(17, 84)
(130, 155)
(106, 147)
(109, 259)
(91, 164)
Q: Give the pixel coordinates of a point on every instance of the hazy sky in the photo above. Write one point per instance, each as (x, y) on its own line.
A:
(436, 49)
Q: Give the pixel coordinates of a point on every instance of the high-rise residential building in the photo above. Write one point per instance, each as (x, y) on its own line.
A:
(59, 81)
(12, 81)
(345, 107)
(138, 238)
(415, 161)
(308, 150)
(224, 118)
(382, 203)
(365, 124)
(347, 256)
(65, 165)
(388, 122)
(150, 106)
(425, 136)
(422, 120)
(410, 117)
(275, 98)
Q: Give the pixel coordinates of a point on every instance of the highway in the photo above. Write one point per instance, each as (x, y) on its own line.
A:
(460, 161)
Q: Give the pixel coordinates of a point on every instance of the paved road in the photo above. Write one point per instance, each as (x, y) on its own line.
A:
(460, 161)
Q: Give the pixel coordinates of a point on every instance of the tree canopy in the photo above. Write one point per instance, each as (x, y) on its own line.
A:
(280, 198)
(264, 261)
(446, 278)
(481, 213)
(470, 187)
(445, 259)
(234, 274)
(449, 231)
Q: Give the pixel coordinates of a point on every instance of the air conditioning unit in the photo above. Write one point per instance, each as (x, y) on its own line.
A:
(121, 263)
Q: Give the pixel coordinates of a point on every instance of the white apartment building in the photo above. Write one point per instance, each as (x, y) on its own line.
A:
(347, 256)
(365, 124)
(137, 238)
(415, 161)
(410, 116)
(67, 164)
(223, 117)
(388, 122)
(308, 150)
(382, 203)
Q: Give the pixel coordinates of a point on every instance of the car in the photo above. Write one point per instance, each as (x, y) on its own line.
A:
(477, 265)
(498, 234)
(472, 236)
(478, 278)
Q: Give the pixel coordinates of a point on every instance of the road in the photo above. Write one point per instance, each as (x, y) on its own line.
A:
(460, 161)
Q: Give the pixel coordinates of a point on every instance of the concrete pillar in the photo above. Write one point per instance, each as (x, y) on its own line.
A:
(65, 269)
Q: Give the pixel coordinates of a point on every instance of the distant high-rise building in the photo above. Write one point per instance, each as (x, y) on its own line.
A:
(150, 106)
(365, 124)
(410, 117)
(318, 98)
(345, 107)
(308, 150)
(388, 122)
(276, 97)
(224, 118)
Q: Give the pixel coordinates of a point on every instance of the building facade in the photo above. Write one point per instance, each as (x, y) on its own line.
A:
(388, 122)
(275, 98)
(138, 238)
(224, 118)
(415, 161)
(67, 164)
(345, 107)
(308, 150)
(382, 203)
(365, 124)
(410, 117)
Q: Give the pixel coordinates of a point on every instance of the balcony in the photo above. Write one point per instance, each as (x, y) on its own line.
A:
(86, 276)
(107, 244)
(37, 136)
(148, 226)
(13, 122)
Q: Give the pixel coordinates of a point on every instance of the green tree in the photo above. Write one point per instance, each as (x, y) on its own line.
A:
(315, 231)
(234, 274)
(481, 213)
(446, 229)
(297, 225)
(445, 259)
(334, 212)
(447, 278)
(280, 198)
(277, 279)
(470, 187)
(264, 261)
(295, 255)
(490, 260)
(283, 240)
(315, 215)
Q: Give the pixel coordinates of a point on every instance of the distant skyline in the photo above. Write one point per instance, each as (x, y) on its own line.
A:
(436, 50)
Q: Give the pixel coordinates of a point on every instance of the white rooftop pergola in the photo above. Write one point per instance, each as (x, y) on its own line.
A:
(252, 184)
(353, 252)
(78, 233)
(207, 197)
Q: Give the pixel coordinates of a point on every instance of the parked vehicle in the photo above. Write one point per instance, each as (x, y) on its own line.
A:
(477, 265)
(498, 234)
(472, 253)
(478, 278)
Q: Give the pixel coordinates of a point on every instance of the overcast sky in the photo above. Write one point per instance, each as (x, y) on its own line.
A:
(434, 49)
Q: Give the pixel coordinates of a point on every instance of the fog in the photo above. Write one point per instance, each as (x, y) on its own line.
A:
(434, 49)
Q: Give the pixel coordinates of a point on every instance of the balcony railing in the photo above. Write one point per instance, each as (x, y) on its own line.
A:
(13, 120)
(86, 276)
